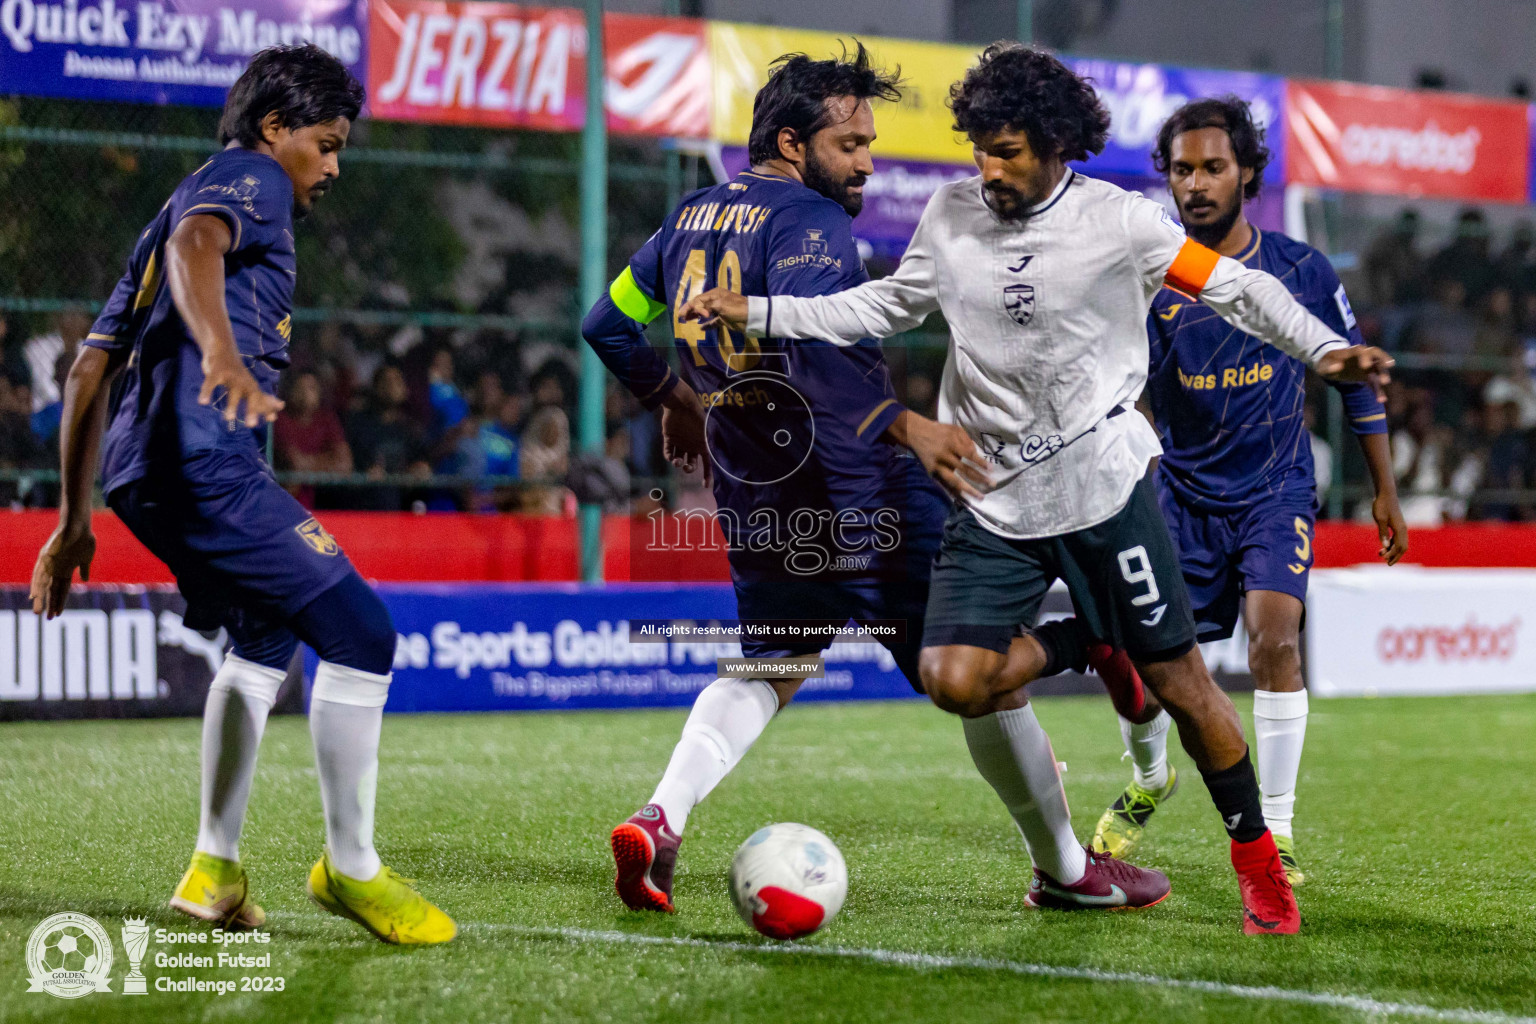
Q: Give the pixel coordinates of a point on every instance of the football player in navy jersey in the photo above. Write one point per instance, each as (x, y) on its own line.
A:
(1236, 481)
(827, 513)
(194, 336)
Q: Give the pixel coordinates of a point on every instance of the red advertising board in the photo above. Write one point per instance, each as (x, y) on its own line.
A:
(1363, 138)
(503, 65)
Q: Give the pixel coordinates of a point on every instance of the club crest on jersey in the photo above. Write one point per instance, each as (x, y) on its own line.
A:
(316, 537)
(813, 244)
(1019, 300)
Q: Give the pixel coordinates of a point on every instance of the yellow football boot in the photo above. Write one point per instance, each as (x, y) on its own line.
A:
(216, 890)
(386, 905)
(1120, 829)
(1287, 847)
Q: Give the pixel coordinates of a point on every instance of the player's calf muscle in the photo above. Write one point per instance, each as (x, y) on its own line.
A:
(1209, 728)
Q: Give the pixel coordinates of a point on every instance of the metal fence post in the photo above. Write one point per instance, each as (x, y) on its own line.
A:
(594, 275)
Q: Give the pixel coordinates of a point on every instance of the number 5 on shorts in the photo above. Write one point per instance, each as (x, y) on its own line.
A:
(1136, 569)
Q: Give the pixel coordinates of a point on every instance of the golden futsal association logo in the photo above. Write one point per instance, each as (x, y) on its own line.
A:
(69, 956)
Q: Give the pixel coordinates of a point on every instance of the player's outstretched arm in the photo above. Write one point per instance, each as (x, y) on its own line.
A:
(72, 545)
(874, 309)
(194, 261)
(1260, 304)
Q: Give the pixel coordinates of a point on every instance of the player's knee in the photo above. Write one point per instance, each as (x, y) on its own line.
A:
(953, 683)
(1274, 651)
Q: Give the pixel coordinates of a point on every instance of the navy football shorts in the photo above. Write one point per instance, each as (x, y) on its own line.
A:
(1265, 546)
(239, 545)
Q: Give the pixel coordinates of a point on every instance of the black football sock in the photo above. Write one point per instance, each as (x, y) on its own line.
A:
(1066, 645)
(1235, 792)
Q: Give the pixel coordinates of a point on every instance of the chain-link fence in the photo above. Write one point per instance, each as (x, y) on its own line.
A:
(435, 327)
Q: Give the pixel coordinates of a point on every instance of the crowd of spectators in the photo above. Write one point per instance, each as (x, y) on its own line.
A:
(1463, 405)
(406, 418)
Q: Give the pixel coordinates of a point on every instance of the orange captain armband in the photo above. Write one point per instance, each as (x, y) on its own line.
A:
(1192, 268)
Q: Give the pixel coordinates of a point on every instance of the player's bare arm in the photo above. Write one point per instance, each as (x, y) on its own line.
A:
(194, 258)
(682, 430)
(72, 545)
(1391, 527)
(945, 450)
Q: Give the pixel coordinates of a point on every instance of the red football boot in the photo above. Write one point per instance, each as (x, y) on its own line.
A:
(1108, 884)
(1269, 905)
(1120, 678)
(645, 852)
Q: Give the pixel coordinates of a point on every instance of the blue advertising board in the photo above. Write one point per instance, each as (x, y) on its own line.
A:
(567, 646)
(545, 647)
(162, 51)
(1141, 96)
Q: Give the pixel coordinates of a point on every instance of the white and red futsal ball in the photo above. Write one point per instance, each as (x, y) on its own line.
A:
(788, 880)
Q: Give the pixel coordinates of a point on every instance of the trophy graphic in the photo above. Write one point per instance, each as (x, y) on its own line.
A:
(135, 939)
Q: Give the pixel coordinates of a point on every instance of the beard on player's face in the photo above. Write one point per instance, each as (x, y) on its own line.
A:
(1013, 179)
(1013, 201)
(843, 188)
(1207, 218)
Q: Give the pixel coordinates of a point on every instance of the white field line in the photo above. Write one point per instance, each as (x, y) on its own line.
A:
(934, 962)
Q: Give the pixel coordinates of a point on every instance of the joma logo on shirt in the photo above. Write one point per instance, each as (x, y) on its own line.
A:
(1231, 377)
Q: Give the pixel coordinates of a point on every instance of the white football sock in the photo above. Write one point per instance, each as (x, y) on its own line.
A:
(239, 700)
(1280, 727)
(1014, 755)
(1148, 746)
(727, 718)
(346, 714)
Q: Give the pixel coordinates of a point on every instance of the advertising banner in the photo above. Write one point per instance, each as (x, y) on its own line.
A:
(532, 647)
(1363, 138)
(503, 65)
(115, 652)
(917, 128)
(162, 51)
(1140, 97)
(1411, 631)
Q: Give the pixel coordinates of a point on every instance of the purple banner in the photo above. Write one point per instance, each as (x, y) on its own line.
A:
(1140, 97)
(162, 51)
(894, 198)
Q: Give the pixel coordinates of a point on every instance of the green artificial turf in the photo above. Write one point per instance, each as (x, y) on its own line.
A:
(1415, 826)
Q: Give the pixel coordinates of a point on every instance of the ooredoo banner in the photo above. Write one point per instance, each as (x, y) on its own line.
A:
(167, 51)
(503, 65)
(1412, 631)
(1363, 138)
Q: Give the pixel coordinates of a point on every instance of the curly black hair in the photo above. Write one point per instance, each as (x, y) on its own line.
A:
(1232, 116)
(303, 85)
(797, 91)
(1017, 87)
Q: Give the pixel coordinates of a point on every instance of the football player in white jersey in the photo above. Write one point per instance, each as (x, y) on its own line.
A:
(1045, 277)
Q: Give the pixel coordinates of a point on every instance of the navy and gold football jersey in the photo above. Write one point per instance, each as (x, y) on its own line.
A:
(792, 425)
(1228, 406)
(155, 419)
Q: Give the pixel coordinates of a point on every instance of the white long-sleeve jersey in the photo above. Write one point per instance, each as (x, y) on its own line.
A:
(1048, 338)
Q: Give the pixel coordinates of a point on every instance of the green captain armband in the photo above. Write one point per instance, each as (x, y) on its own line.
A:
(633, 302)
